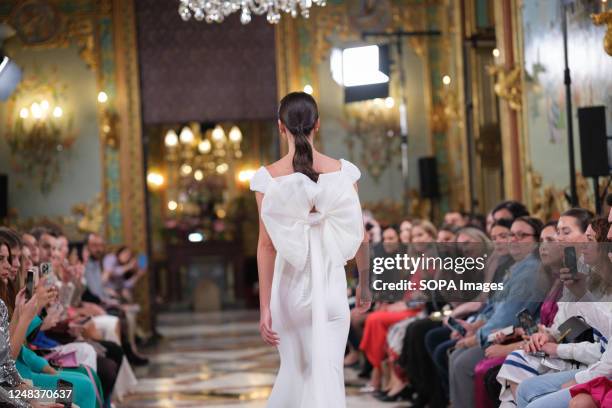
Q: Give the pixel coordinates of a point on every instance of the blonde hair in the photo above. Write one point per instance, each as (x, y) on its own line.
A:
(427, 226)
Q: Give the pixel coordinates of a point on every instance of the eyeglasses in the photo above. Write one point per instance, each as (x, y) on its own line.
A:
(520, 235)
(503, 236)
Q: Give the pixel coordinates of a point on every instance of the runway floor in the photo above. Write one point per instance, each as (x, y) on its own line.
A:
(216, 360)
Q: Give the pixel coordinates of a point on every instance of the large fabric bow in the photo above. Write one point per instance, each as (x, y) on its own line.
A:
(289, 217)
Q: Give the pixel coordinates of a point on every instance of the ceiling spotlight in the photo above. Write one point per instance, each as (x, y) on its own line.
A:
(362, 71)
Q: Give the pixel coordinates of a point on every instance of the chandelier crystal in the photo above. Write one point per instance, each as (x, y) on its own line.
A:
(215, 11)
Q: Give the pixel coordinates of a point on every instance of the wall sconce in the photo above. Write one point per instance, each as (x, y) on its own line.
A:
(108, 122)
(605, 18)
(39, 130)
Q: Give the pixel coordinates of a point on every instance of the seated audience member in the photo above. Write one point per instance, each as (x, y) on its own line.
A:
(416, 363)
(509, 210)
(30, 365)
(456, 218)
(487, 389)
(372, 228)
(596, 393)
(489, 223)
(586, 360)
(405, 234)
(95, 293)
(553, 389)
(78, 320)
(385, 314)
(121, 272)
(31, 242)
(447, 233)
(519, 293)
(477, 221)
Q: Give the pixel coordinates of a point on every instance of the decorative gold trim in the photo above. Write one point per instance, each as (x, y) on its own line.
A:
(508, 85)
(130, 129)
(130, 146)
(605, 18)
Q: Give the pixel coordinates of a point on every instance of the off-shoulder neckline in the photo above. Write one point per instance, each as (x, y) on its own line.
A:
(294, 173)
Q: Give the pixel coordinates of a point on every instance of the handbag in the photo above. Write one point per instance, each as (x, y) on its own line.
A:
(576, 330)
(64, 360)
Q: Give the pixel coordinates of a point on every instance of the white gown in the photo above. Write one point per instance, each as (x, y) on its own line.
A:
(309, 304)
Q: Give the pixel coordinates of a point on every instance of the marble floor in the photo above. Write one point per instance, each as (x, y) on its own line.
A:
(216, 360)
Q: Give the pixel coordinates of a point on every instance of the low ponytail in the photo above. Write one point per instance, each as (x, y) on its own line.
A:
(298, 112)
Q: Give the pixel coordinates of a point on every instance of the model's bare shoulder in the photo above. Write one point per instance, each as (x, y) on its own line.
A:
(327, 164)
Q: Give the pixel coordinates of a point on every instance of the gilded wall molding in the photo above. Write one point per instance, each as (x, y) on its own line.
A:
(605, 19)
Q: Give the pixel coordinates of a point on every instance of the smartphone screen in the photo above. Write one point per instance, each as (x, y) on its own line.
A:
(454, 324)
(570, 260)
(526, 322)
(45, 269)
(29, 284)
(64, 393)
(142, 261)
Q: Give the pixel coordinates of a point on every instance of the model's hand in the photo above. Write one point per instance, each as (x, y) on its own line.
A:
(362, 304)
(265, 328)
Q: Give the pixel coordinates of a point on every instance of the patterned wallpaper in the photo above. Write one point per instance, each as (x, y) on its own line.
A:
(204, 72)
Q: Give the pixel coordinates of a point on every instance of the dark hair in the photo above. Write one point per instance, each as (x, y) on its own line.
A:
(516, 208)
(38, 232)
(394, 227)
(535, 223)
(551, 223)
(448, 228)
(298, 112)
(582, 216)
(11, 237)
(601, 226)
(477, 221)
(5, 290)
(502, 222)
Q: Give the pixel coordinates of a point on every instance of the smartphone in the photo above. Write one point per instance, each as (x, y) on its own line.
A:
(455, 325)
(29, 285)
(570, 260)
(46, 274)
(506, 331)
(64, 393)
(142, 261)
(45, 269)
(540, 354)
(526, 322)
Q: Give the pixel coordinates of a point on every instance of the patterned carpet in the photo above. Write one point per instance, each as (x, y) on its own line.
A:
(215, 360)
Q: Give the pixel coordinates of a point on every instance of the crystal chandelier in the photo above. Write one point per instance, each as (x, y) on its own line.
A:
(215, 11)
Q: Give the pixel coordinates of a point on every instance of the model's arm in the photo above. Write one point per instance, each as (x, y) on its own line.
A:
(363, 297)
(266, 255)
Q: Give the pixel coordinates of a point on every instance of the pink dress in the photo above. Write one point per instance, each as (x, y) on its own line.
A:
(599, 388)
